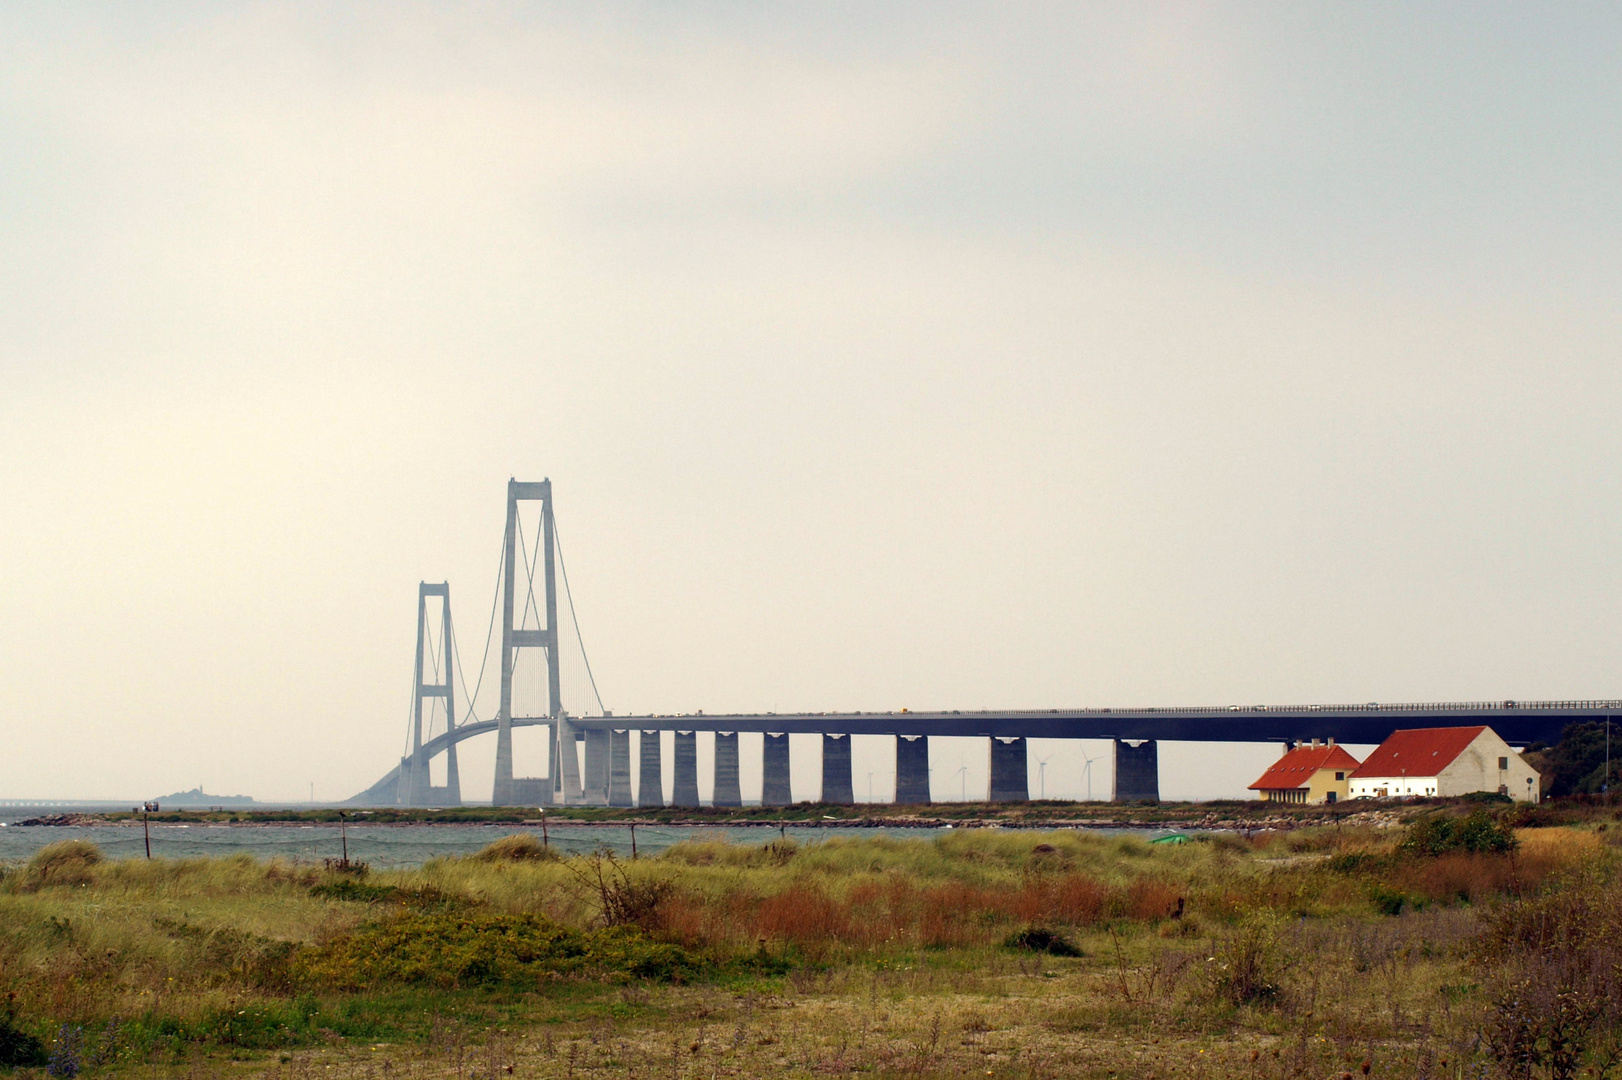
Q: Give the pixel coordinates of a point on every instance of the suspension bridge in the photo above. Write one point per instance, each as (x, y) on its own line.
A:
(590, 760)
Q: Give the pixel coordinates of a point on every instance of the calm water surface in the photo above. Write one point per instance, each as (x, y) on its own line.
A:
(388, 846)
(395, 845)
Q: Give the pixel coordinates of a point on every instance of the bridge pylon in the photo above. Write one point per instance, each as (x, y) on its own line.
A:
(415, 786)
(508, 790)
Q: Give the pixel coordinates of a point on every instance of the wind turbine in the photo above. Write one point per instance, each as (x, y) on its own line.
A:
(1042, 776)
(1087, 770)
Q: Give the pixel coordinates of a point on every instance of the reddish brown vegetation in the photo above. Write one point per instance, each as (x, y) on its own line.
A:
(872, 912)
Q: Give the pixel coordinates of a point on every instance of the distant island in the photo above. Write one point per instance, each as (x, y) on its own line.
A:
(197, 797)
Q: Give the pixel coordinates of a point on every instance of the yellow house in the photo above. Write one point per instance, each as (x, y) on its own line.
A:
(1308, 774)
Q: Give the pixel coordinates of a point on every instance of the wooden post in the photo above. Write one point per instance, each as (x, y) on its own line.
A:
(633, 839)
(343, 831)
(146, 829)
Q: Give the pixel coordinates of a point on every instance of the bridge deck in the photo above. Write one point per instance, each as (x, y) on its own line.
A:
(1520, 723)
(1517, 722)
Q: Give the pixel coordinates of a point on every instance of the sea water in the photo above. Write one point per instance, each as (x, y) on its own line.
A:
(384, 846)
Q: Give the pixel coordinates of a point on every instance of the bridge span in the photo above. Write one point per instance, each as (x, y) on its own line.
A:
(605, 778)
(605, 775)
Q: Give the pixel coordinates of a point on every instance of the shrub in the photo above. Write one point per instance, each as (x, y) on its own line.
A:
(1039, 939)
(462, 949)
(352, 890)
(1477, 833)
(1494, 797)
(1389, 901)
(18, 1047)
(1357, 862)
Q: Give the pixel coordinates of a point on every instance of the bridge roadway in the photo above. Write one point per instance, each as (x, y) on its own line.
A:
(1519, 723)
(606, 776)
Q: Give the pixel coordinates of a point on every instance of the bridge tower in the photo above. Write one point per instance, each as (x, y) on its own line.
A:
(510, 791)
(416, 788)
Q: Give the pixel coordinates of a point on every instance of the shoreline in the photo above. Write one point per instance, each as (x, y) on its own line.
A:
(1381, 818)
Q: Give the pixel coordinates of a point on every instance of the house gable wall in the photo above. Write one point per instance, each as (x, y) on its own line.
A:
(1476, 769)
(1323, 782)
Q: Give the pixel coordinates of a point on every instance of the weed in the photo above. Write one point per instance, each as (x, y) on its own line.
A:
(518, 847)
(621, 900)
(66, 862)
(1247, 966)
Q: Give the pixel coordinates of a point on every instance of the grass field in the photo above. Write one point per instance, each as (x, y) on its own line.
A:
(1457, 946)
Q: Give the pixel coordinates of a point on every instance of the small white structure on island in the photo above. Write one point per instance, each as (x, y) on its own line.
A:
(1441, 762)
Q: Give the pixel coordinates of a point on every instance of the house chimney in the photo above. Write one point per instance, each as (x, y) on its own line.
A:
(1315, 744)
(1331, 741)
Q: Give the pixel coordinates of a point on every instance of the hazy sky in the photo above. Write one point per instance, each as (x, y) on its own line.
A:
(926, 355)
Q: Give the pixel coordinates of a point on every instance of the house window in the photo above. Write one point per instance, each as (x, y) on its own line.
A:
(1503, 763)
(1340, 776)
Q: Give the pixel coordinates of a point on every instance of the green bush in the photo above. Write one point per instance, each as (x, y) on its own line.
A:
(1358, 862)
(1389, 901)
(356, 891)
(1478, 834)
(463, 949)
(18, 1047)
(1040, 939)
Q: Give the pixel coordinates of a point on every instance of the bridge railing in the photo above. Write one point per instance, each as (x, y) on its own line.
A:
(1366, 707)
(1589, 705)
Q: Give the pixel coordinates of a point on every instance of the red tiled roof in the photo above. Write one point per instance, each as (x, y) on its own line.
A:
(1295, 769)
(1418, 752)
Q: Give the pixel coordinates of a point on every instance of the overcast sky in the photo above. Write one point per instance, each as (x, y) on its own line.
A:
(881, 355)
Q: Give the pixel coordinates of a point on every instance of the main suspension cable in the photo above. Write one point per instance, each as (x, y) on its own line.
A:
(495, 598)
(557, 538)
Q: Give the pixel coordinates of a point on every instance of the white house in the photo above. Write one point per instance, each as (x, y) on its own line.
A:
(1443, 762)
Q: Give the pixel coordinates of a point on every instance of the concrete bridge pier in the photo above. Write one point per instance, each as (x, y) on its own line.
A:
(650, 777)
(453, 778)
(596, 778)
(774, 788)
(405, 782)
(619, 769)
(1009, 779)
(554, 779)
(686, 793)
(569, 764)
(1137, 771)
(912, 770)
(727, 792)
(836, 785)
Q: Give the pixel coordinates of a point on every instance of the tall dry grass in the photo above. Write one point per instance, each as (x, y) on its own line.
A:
(83, 938)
